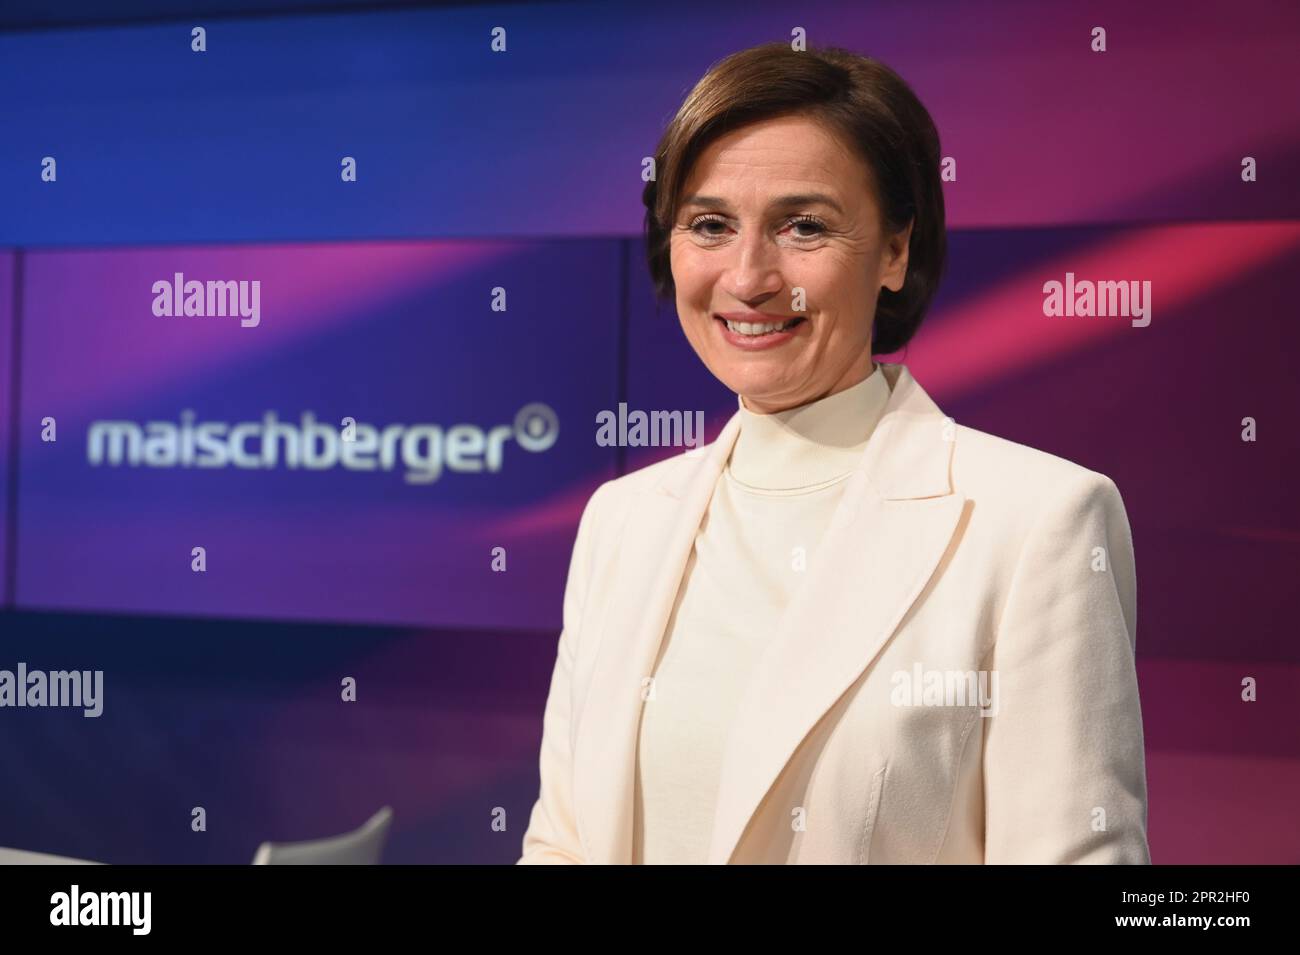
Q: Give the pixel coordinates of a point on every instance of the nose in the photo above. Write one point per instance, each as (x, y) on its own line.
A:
(754, 274)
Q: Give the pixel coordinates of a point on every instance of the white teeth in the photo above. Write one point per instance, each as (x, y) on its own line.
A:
(749, 328)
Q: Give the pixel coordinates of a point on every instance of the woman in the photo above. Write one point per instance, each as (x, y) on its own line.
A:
(849, 630)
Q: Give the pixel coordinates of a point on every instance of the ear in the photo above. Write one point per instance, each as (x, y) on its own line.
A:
(895, 259)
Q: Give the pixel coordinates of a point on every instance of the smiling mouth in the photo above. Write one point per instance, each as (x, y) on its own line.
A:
(758, 329)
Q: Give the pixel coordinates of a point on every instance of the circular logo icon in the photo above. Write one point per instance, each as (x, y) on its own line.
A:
(536, 427)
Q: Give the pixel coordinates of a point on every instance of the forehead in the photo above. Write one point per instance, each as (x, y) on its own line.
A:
(776, 155)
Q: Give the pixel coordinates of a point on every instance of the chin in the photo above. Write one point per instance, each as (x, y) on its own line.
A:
(759, 387)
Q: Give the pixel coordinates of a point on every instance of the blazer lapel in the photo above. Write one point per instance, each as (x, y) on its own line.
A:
(890, 530)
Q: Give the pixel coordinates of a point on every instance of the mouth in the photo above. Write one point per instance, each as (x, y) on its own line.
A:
(759, 330)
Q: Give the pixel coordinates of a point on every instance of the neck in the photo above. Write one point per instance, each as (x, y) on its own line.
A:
(811, 443)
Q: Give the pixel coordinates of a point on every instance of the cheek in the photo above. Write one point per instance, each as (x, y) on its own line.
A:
(840, 279)
(691, 277)
(838, 291)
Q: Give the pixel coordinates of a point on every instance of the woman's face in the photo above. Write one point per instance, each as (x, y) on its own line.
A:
(769, 210)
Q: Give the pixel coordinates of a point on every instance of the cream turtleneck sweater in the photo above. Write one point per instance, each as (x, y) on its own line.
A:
(769, 510)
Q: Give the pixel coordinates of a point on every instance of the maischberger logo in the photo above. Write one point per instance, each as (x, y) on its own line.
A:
(423, 450)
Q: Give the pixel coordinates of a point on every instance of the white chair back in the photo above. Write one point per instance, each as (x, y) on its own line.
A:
(362, 846)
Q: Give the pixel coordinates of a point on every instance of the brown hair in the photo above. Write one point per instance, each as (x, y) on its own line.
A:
(862, 100)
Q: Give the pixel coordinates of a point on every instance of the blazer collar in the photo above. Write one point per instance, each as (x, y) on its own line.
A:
(894, 523)
(907, 456)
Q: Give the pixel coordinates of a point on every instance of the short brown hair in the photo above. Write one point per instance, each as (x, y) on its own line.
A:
(862, 100)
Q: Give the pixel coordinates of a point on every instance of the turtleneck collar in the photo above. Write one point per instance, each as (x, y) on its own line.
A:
(809, 445)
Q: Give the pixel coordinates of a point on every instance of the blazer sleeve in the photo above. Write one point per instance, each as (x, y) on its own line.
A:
(552, 834)
(1064, 765)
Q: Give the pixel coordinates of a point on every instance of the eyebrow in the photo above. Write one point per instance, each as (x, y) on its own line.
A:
(783, 202)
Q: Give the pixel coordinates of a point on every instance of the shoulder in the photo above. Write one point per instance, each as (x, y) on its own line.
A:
(1023, 484)
(1042, 519)
(981, 459)
(614, 497)
(648, 477)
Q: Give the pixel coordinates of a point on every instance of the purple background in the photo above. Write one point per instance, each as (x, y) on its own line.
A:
(7, 290)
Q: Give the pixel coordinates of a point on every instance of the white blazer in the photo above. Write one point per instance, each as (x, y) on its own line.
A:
(952, 552)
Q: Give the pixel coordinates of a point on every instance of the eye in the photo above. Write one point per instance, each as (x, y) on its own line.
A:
(701, 224)
(815, 226)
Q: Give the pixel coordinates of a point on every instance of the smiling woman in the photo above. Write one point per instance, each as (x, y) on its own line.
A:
(737, 622)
